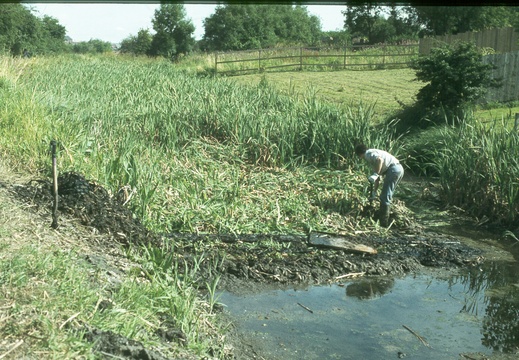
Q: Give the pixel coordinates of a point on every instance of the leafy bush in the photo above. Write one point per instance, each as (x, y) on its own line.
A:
(455, 75)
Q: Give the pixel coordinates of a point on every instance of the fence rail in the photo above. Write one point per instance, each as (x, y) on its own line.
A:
(354, 57)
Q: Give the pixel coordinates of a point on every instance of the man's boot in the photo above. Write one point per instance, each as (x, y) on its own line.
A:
(384, 215)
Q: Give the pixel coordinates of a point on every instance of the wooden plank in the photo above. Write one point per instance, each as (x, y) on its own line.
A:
(339, 242)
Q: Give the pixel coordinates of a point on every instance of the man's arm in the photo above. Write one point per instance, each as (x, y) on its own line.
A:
(378, 165)
(378, 170)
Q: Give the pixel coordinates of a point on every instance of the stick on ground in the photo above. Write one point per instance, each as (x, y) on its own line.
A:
(418, 336)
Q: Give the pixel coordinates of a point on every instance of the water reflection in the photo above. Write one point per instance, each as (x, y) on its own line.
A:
(476, 311)
(369, 288)
(494, 285)
(497, 284)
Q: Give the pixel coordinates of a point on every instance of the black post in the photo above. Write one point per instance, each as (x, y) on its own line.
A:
(55, 185)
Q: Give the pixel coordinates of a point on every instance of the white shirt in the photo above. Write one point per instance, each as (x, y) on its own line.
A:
(372, 155)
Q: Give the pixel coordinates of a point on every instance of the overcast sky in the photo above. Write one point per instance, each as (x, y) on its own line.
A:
(115, 22)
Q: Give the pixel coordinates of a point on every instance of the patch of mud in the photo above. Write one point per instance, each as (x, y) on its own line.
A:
(253, 259)
(249, 260)
(244, 264)
(90, 203)
(110, 344)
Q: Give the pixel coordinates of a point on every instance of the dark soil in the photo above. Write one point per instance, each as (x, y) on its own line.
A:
(244, 262)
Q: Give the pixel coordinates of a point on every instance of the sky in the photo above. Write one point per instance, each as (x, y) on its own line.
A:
(115, 22)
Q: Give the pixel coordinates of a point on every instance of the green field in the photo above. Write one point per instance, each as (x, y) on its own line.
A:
(384, 88)
(387, 89)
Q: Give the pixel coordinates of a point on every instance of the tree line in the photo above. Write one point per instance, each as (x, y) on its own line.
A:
(245, 26)
(24, 33)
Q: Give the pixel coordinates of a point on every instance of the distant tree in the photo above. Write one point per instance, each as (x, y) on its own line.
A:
(53, 36)
(23, 32)
(173, 32)
(379, 24)
(360, 19)
(405, 26)
(296, 25)
(93, 46)
(18, 29)
(441, 20)
(242, 27)
(137, 45)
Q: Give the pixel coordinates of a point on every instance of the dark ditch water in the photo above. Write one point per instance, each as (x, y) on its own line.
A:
(474, 311)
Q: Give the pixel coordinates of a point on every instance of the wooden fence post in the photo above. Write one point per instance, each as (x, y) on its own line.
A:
(54, 224)
(301, 58)
(215, 63)
(344, 63)
(259, 60)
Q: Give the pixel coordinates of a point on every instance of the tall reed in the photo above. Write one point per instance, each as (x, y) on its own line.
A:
(479, 170)
(186, 146)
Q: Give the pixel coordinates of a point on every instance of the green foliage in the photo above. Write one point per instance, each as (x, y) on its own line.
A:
(455, 77)
(49, 286)
(441, 20)
(479, 170)
(22, 32)
(173, 32)
(336, 38)
(379, 24)
(391, 23)
(242, 27)
(190, 150)
(137, 45)
(93, 46)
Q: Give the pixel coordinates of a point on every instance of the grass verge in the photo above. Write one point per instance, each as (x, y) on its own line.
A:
(56, 285)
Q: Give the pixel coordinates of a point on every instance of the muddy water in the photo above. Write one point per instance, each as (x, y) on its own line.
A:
(474, 312)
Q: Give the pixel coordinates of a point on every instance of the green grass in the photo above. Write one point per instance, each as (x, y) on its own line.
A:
(49, 293)
(479, 171)
(52, 288)
(505, 114)
(205, 154)
(384, 88)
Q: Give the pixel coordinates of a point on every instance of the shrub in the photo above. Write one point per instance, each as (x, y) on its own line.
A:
(455, 78)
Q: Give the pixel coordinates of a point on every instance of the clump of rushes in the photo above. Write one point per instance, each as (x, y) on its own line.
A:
(197, 154)
(479, 170)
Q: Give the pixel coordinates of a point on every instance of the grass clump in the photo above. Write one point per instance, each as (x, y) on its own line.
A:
(53, 298)
(478, 170)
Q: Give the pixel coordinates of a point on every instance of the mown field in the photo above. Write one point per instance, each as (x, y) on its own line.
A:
(386, 89)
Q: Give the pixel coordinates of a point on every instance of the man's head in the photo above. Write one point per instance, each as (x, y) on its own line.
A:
(360, 150)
